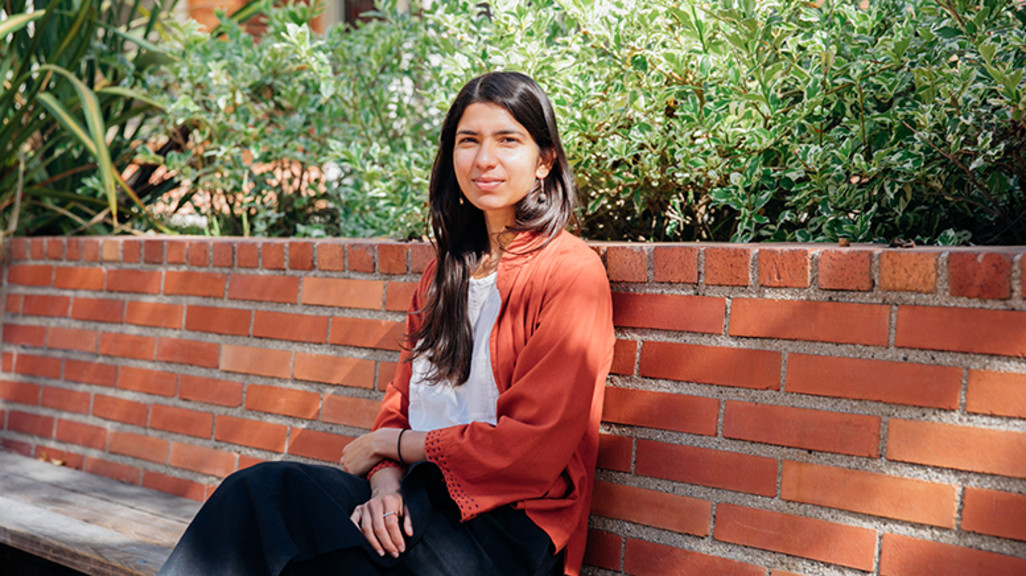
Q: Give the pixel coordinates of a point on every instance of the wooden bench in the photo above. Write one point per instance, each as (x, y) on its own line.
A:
(88, 523)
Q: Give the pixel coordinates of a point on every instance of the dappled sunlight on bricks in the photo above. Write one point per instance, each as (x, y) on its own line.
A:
(772, 410)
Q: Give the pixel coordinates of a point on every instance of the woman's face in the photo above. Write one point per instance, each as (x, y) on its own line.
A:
(496, 162)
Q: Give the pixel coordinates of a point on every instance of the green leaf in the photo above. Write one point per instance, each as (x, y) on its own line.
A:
(14, 23)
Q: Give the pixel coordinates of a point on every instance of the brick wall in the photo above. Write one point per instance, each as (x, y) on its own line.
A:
(774, 409)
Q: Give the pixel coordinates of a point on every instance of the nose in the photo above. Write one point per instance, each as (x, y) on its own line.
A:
(485, 157)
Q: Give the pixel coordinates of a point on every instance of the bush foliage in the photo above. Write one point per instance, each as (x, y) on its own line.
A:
(724, 120)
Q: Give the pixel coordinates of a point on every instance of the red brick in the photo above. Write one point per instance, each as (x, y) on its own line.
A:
(80, 278)
(12, 304)
(153, 251)
(959, 447)
(784, 267)
(66, 400)
(247, 255)
(234, 321)
(282, 289)
(42, 366)
(907, 556)
(73, 339)
(131, 251)
(139, 446)
(224, 254)
(839, 322)
(398, 295)
(797, 536)
(603, 550)
(33, 424)
(962, 330)
(705, 467)
(252, 433)
(90, 250)
(113, 470)
(702, 314)
(350, 411)
(360, 257)
(7, 361)
(677, 412)
(54, 248)
(344, 293)
(338, 370)
(127, 346)
(29, 275)
(199, 254)
(98, 310)
(643, 558)
(676, 264)
(45, 305)
(182, 421)
(818, 430)
(175, 251)
(138, 281)
(861, 379)
(331, 256)
(110, 250)
(625, 263)
(19, 392)
(301, 255)
(903, 271)
(845, 269)
(740, 367)
(94, 373)
(652, 508)
(210, 391)
(191, 352)
(324, 446)
(285, 401)
(20, 248)
(615, 452)
(258, 361)
(995, 513)
(202, 459)
(870, 493)
(155, 314)
(997, 393)
(174, 485)
(245, 461)
(148, 381)
(386, 372)
(189, 283)
(272, 255)
(366, 333)
(421, 254)
(120, 410)
(80, 433)
(624, 354)
(24, 335)
(980, 275)
(392, 258)
(24, 448)
(728, 266)
(37, 248)
(294, 327)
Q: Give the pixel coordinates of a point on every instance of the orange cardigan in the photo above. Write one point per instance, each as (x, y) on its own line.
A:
(551, 349)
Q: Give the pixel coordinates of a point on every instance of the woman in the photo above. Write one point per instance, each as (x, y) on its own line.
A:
(496, 402)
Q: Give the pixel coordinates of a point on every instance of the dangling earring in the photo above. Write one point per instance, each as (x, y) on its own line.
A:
(542, 198)
(461, 200)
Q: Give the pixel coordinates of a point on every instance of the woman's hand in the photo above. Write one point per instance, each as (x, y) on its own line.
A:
(364, 453)
(380, 517)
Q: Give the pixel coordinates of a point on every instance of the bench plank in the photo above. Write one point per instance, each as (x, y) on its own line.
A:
(89, 523)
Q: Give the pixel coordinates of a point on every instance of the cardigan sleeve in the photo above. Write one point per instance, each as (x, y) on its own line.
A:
(544, 413)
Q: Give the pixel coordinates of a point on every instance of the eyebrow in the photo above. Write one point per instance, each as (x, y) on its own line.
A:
(496, 133)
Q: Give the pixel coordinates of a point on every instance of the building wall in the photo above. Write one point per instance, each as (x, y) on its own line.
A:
(773, 409)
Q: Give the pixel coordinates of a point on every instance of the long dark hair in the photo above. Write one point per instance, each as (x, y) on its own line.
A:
(445, 336)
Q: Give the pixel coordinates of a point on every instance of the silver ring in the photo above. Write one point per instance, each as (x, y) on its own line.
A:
(387, 514)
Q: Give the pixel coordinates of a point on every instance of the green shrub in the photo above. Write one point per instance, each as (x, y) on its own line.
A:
(733, 120)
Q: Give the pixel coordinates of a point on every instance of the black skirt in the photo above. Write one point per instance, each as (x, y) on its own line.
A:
(293, 519)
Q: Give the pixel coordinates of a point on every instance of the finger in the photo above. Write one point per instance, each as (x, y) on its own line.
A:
(407, 521)
(383, 526)
(395, 533)
(367, 527)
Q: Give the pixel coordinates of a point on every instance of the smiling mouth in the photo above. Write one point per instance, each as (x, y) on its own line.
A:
(486, 183)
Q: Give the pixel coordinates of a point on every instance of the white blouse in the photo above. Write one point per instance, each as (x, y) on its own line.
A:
(441, 405)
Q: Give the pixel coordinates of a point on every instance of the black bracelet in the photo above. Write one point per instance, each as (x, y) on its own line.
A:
(399, 446)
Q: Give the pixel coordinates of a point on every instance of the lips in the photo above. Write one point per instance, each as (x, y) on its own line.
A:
(487, 183)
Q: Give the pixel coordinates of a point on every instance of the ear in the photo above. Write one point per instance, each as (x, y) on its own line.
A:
(545, 162)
